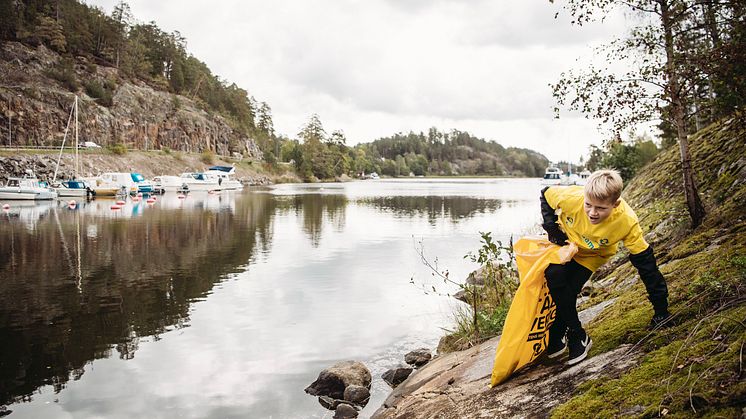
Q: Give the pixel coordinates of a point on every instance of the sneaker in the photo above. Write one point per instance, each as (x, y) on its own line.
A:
(556, 346)
(660, 321)
(580, 343)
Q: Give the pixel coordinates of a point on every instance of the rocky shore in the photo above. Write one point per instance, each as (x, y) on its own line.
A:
(149, 164)
(693, 367)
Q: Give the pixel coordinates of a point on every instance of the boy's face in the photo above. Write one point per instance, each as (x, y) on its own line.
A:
(598, 211)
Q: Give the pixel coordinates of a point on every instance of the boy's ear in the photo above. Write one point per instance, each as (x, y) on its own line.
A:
(618, 201)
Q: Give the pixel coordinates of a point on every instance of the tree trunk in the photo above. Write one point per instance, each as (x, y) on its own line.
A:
(693, 203)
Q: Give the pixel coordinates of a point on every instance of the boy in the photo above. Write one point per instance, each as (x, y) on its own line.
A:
(595, 218)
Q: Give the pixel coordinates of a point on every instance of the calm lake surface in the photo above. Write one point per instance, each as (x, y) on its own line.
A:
(229, 305)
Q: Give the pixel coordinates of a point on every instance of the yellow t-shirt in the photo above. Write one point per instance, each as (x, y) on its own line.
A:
(596, 243)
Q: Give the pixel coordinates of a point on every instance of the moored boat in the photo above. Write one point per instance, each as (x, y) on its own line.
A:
(72, 188)
(166, 183)
(226, 177)
(26, 188)
(552, 176)
(198, 181)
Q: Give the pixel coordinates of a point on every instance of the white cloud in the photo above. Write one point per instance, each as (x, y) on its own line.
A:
(372, 68)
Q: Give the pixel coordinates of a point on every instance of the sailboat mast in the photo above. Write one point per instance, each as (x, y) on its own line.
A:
(77, 168)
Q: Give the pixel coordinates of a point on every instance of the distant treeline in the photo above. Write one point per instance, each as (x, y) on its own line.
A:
(318, 155)
(138, 50)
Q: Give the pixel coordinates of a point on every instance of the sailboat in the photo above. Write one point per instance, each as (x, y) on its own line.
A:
(73, 187)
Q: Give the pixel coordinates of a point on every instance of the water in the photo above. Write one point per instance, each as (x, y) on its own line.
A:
(229, 305)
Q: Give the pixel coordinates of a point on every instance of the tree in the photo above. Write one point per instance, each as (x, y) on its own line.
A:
(338, 138)
(313, 131)
(122, 17)
(663, 77)
(50, 30)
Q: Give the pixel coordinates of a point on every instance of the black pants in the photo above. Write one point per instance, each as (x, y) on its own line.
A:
(565, 282)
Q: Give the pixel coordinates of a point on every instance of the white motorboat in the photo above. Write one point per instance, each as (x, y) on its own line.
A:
(199, 181)
(72, 188)
(167, 183)
(552, 176)
(583, 177)
(105, 185)
(226, 177)
(26, 188)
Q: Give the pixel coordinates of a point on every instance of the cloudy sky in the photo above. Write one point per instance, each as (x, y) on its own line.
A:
(375, 67)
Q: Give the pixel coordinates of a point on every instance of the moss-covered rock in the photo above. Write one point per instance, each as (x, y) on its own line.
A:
(693, 368)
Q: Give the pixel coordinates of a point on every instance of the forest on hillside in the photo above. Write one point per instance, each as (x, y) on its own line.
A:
(139, 51)
(317, 155)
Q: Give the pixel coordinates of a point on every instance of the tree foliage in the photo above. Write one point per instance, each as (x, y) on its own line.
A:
(626, 156)
(685, 69)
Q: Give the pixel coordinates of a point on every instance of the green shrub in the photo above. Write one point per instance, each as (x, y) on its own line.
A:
(118, 149)
(165, 150)
(96, 90)
(65, 74)
(208, 157)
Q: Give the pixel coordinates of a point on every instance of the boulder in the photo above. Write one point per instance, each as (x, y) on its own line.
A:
(396, 376)
(329, 403)
(334, 380)
(418, 357)
(357, 395)
(461, 296)
(478, 277)
(345, 411)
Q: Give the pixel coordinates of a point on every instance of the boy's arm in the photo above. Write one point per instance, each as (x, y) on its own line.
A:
(644, 261)
(549, 221)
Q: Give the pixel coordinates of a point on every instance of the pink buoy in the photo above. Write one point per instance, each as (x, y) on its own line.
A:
(150, 200)
(116, 207)
(182, 196)
(120, 202)
(136, 199)
(139, 194)
(72, 203)
(6, 207)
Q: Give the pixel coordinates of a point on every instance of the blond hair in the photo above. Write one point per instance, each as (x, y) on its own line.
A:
(604, 185)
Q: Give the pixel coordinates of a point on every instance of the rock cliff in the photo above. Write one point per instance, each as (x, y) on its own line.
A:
(36, 97)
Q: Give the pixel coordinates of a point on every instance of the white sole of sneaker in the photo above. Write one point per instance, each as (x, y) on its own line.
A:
(583, 356)
(558, 353)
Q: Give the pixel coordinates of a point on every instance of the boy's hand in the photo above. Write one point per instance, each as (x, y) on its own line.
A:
(556, 235)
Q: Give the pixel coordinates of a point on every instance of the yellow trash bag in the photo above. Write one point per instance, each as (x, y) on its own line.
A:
(532, 311)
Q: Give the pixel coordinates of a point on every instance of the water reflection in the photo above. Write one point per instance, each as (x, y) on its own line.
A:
(434, 207)
(84, 283)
